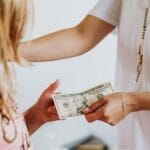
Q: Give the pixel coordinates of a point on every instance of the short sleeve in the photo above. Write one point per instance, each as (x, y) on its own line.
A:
(107, 10)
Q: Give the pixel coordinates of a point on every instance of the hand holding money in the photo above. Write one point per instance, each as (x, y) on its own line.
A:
(111, 108)
(69, 105)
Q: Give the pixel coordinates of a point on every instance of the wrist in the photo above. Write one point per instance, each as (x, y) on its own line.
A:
(38, 113)
(132, 102)
(33, 120)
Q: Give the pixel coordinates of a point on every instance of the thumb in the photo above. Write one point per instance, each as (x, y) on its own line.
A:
(52, 88)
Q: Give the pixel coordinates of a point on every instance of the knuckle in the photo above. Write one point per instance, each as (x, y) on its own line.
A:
(97, 114)
(111, 122)
(47, 95)
(89, 120)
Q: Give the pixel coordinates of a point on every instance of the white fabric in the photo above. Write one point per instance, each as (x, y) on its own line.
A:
(133, 133)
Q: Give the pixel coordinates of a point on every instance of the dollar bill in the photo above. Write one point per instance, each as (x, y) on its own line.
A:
(69, 105)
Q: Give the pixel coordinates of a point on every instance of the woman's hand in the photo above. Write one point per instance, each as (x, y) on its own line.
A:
(43, 111)
(110, 109)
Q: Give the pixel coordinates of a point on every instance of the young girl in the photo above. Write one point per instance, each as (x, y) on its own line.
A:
(130, 108)
(13, 131)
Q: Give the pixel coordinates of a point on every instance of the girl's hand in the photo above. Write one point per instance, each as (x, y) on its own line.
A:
(45, 105)
(43, 111)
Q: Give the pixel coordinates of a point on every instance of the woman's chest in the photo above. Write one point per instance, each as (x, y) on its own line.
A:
(130, 30)
(131, 23)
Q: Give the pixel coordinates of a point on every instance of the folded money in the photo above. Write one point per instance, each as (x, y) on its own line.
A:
(69, 105)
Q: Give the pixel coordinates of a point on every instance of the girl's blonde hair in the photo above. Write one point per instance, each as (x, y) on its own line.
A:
(13, 18)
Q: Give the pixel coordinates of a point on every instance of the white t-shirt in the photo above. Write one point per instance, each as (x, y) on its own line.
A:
(133, 133)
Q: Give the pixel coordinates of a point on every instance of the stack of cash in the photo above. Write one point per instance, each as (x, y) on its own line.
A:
(69, 105)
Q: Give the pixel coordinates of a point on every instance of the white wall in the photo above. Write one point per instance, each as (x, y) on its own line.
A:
(76, 74)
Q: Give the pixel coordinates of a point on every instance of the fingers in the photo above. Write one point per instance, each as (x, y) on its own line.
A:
(52, 110)
(91, 117)
(94, 106)
(96, 115)
(95, 111)
(52, 88)
(52, 113)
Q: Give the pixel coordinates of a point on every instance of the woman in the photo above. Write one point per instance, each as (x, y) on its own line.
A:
(132, 81)
(13, 131)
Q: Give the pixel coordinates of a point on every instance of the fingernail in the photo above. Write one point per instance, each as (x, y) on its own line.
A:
(58, 81)
(86, 109)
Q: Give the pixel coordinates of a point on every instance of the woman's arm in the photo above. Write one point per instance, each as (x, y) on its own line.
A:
(67, 43)
(113, 108)
(140, 99)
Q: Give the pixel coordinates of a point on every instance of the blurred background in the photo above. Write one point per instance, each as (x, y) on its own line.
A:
(76, 74)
